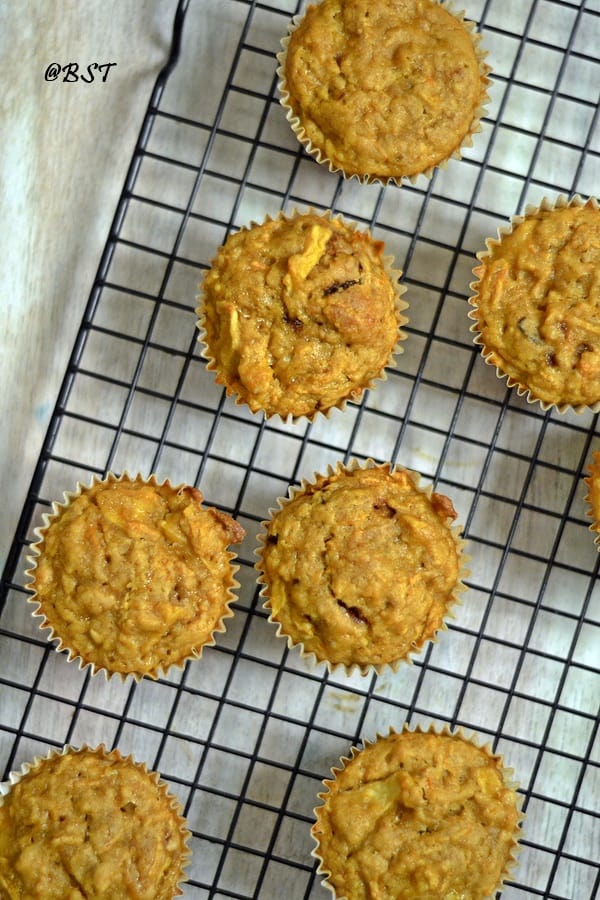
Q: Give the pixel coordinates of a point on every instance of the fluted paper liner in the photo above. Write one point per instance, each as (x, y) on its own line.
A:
(165, 800)
(319, 154)
(65, 642)
(355, 393)
(489, 355)
(507, 778)
(423, 636)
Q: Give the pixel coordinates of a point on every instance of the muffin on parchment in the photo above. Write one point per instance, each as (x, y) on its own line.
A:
(361, 566)
(417, 815)
(133, 576)
(383, 89)
(300, 314)
(536, 304)
(90, 823)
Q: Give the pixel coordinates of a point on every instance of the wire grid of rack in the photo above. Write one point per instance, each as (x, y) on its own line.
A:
(245, 735)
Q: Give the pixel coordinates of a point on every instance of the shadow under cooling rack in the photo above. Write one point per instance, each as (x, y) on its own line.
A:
(245, 735)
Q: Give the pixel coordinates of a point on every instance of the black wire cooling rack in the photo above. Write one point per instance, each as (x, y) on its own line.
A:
(245, 735)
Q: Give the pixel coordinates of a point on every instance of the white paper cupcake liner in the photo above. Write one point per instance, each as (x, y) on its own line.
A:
(354, 396)
(364, 669)
(63, 642)
(507, 779)
(171, 804)
(319, 154)
(489, 355)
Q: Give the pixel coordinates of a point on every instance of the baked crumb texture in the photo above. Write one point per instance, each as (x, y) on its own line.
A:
(592, 481)
(300, 314)
(536, 304)
(361, 566)
(383, 89)
(133, 576)
(90, 824)
(417, 816)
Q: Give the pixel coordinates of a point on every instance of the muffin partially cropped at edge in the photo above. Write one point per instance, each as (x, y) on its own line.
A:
(133, 576)
(90, 823)
(383, 89)
(418, 815)
(592, 499)
(536, 304)
(361, 567)
(300, 313)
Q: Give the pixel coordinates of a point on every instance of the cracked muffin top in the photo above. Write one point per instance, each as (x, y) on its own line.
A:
(91, 824)
(417, 816)
(383, 88)
(537, 304)
(361, 566)
(134, 576)
(299, 314)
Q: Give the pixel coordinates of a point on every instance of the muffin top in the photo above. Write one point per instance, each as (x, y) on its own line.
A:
(361, 566)
(537, 304)
(87, 824)
(299, 314)
(384, 88)
(133, 575)
(417, 816)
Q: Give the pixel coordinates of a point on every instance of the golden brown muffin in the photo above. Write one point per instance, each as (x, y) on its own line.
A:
(90, 824)
(361, 566)
(382, 89)
(417, 816)
(300, 314)
(537, 303)
(134, 576)
(592, 480)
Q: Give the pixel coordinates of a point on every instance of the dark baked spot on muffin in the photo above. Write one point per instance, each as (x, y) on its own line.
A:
(294, 323)
(443, 506)
(381, 505)
(340, 286)
(354, 612)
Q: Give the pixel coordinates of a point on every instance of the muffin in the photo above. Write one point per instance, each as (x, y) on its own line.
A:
(300, 314)
(592, 481)
(90, 823)
(133, 576)
(415, 816)
(361, 566)
(536, 304)
(382, 89)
